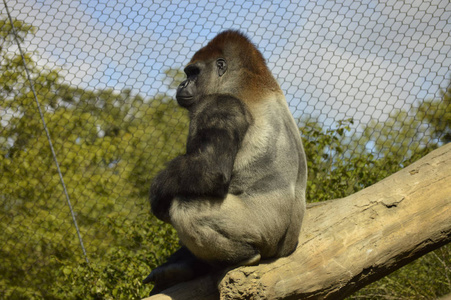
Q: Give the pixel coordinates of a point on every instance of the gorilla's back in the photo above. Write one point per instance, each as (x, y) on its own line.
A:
(270, 175)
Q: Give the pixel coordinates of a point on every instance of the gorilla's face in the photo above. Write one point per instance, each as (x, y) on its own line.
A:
(202, 79)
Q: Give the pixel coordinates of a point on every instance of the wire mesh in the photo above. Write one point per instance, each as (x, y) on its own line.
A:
(105, 74)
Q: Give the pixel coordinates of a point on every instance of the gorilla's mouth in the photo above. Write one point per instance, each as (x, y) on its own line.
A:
(185, 101)
(184, 98)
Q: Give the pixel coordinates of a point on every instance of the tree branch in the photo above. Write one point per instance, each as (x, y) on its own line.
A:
(348, 243)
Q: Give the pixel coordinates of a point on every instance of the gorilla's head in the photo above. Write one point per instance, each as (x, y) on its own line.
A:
(228, 64)
(203, 78)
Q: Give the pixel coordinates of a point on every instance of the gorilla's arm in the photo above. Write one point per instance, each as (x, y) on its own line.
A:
(206, 168)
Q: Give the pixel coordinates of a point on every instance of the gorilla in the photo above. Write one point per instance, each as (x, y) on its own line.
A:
(238, 193)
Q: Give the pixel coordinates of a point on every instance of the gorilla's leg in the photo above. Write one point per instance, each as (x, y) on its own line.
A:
(181, 266)
(224, 232)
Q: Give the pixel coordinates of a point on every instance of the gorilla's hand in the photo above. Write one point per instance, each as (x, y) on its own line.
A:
(181, 266)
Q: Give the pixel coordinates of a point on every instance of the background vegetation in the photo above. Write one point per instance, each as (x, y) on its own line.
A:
(110, 144)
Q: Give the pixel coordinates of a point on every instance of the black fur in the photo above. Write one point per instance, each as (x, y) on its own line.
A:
(217, 128)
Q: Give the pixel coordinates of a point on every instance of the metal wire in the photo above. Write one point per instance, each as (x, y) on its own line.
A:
(49, 139)
(118, 63)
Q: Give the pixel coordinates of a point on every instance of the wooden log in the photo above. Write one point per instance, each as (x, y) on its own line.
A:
(348, 243)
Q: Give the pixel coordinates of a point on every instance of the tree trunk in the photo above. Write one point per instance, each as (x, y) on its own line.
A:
(348, 243)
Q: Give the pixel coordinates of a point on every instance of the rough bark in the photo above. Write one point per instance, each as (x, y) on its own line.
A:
(348, 243)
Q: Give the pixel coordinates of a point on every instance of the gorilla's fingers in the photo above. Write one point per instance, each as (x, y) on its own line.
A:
(150, 278)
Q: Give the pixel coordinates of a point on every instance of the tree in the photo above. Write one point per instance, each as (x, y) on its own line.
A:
(408, 135)
(101, 140)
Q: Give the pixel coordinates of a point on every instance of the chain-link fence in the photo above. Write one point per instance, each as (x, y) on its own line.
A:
(368, 82)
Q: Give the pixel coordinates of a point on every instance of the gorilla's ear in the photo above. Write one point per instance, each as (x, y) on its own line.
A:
(221, 64)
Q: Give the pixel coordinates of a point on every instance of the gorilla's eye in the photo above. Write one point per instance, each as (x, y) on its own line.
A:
(222, 66)
(191, 70)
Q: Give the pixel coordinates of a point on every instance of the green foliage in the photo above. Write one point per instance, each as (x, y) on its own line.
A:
(409, 135)
(111, 143)
(336, 171)
(121, 275)
(108, 144)
(6, 32)
(426, 278)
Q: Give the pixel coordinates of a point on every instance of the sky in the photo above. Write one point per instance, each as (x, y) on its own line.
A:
(333, 59)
